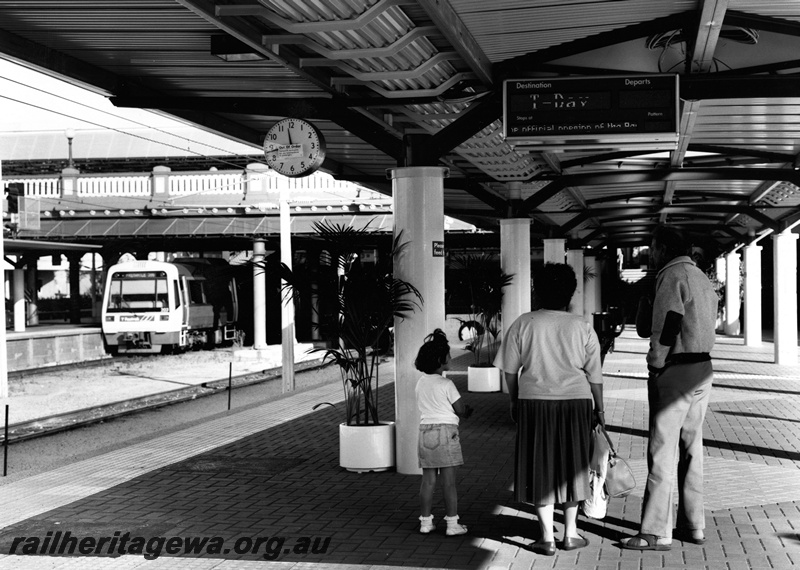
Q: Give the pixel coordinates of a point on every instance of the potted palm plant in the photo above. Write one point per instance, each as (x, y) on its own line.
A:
(484, 280)
(359, 314)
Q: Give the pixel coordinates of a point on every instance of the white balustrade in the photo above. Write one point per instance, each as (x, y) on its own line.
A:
(134, 185)
(239, 183)
(194, 183)
(37, 187)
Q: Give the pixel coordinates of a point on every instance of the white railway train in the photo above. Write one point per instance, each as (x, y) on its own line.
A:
(159, 307)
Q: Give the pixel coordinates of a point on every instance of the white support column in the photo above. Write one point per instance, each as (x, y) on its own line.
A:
(93, 288)
(19, 300)
(719, 269)
(419, 214)
(785, 283)
(515, 259)
(752, 295)
(31, 278)
(287, 302)
(555, 250)
(732, 294)
(575, 260)
(591, 290)
(3, 348)
(259, 295)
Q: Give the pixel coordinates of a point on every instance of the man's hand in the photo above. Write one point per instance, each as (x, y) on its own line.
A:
(467, 411)
(653, 372)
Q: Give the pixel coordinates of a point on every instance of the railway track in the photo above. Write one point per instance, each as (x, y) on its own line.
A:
(55, 423)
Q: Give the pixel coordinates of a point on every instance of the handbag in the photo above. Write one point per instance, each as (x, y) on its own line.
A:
(596, 505)
(619, 477)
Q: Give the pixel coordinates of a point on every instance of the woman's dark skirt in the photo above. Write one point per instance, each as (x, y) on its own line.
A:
(553, 450)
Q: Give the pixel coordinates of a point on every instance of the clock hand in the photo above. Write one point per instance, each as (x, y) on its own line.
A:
(289, 133)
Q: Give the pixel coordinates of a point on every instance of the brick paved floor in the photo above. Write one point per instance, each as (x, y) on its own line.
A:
(271, 471)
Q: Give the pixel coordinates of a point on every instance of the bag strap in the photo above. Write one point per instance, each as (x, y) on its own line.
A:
(608, 439)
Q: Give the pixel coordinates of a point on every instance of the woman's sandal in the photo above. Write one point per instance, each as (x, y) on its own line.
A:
(643, 542)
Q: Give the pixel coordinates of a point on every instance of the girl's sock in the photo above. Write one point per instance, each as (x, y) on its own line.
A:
(453, 528)
(426, 524)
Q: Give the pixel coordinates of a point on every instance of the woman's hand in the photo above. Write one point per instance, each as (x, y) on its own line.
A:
(514, 410)
(600, 418)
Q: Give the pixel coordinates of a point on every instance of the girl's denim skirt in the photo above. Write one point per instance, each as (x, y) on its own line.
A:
(439, 446)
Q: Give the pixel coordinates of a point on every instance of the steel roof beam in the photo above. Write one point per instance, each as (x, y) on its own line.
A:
(765, 23)
(747, 210)
(105, 83)
(454, 30)
(702, 48)
(604, 157)
(242, 30)
(471, 121)
(564, 229)
(309, 108)
(773, 157)
(639, 176)
(717, 86)
(590, 237)
(529, 62)
(765, 68)
(373, 52)
(625, 197)
(370, 14)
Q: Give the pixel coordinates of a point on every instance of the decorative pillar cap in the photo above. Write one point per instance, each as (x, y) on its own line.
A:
(418, 172)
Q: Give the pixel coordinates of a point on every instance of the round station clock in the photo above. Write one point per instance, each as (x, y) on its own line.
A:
(294, 148)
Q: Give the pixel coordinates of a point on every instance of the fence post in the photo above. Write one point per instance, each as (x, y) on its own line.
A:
(160, 181)
(69, 181)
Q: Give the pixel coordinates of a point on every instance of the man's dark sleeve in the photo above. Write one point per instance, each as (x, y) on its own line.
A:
(672, 328)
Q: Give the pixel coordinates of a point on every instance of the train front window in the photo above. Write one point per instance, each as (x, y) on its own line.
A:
(138, 291)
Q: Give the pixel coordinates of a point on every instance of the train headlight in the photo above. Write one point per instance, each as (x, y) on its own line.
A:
(163, 317)
(109, 318)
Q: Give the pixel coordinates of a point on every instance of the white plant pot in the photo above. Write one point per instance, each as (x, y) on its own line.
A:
(483, 379)
(366, 448)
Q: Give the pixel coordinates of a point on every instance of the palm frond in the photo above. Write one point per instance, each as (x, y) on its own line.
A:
(367, 300)
(484, 280)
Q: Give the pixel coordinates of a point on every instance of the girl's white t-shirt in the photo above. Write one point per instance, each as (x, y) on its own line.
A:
(435, 397)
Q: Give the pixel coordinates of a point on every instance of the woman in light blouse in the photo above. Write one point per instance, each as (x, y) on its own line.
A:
(551, 361)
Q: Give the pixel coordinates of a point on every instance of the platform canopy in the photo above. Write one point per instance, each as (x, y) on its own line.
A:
(424, 82)
(22, 246)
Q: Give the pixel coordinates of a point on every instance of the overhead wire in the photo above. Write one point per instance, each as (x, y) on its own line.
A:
(123, 132)
(118, 116)
(128, 133)
(144, 199)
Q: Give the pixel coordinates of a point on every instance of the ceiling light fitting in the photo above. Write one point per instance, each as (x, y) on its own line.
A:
(228, 48)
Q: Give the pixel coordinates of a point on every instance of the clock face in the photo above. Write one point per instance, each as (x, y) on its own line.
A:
(294, 147)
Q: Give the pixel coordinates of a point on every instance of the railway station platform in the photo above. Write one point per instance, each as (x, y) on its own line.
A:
(53, 345)
(266, 475)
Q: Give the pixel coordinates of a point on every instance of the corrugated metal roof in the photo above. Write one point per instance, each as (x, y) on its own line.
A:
(369, 73)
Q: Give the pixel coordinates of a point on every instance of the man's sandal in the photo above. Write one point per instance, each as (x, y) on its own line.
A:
(685, 535)
(643, 542)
